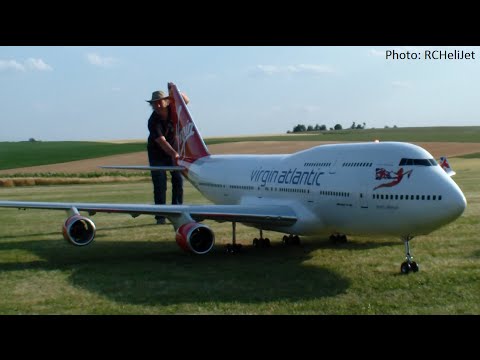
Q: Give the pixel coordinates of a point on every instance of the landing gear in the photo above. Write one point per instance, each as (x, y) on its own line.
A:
(291, 240)
(338, 238)
(233, 248)
(409, 264)
(261, 242)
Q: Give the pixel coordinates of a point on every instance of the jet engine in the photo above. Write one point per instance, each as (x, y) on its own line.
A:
(195, 237)
(79, 230)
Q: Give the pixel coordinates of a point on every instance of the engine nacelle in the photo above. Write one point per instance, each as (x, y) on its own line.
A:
(195, 237)
(79, 230)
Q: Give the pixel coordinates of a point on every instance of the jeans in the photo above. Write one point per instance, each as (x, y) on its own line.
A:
(159, 180)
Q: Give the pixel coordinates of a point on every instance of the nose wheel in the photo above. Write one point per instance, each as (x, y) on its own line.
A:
(408, 265)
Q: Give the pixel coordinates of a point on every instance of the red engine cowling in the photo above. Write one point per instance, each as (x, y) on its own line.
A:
(195, 237)
(79, 230)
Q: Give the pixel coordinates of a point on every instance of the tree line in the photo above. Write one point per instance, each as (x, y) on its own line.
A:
(317, 127)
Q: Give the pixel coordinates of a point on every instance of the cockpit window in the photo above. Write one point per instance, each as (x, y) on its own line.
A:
(418, 162)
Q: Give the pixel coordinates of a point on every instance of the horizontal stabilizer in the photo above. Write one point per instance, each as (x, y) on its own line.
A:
(150, 168)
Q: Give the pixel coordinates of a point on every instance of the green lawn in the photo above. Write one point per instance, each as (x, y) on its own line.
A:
(24, 153)
(135, 267)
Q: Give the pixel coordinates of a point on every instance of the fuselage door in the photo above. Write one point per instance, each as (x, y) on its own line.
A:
(333, 167)
(363, 197)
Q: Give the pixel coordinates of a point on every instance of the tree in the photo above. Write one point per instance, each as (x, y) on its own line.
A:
(310, 128)
(299, 128)
(357, 126)
(338, 127)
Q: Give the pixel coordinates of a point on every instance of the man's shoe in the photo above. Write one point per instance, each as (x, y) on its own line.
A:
(161, 222)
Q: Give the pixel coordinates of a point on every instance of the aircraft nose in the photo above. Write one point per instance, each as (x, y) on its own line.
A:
(459, 203)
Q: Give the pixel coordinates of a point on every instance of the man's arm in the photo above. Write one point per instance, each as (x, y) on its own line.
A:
(163, 143)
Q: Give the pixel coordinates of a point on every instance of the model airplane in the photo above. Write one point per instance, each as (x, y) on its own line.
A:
(385, 188)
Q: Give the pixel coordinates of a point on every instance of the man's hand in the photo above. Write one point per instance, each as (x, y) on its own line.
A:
(175, 158)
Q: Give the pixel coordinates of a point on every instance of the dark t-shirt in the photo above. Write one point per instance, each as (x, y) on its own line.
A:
(158, 128)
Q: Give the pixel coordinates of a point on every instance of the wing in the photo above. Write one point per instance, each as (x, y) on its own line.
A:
(259, 214)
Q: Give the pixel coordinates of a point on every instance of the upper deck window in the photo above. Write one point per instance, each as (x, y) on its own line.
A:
(418, 162)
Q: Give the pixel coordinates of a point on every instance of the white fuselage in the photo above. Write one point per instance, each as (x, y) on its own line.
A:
(387, 188)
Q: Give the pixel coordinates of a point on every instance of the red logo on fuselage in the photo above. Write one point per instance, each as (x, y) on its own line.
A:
(383, 174)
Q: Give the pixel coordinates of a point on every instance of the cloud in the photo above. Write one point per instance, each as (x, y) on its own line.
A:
(11, 65)
(29, 64)
(37, 64)
(317, 69)
(98, 60)
(293, 69)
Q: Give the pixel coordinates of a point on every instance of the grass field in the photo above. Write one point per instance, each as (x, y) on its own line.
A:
(135, 267)
(25, 153)
(15, 155)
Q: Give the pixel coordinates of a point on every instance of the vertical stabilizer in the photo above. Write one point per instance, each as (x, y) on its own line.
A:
(446, 166)
(190, 143)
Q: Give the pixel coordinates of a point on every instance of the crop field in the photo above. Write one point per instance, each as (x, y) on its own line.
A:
(25, 153)
(135, 266)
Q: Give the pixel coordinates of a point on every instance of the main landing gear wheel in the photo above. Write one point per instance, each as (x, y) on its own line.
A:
(338, 238)
(261, 242)
(409, 264)
(233, 248)
(291, 240)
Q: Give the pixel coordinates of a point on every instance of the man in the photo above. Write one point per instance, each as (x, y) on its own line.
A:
(161, 150)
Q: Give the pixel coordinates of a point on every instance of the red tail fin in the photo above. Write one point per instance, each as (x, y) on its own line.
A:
(190, 143)
(446, 166)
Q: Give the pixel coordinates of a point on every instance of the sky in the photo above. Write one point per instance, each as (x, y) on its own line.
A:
(54, 93)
